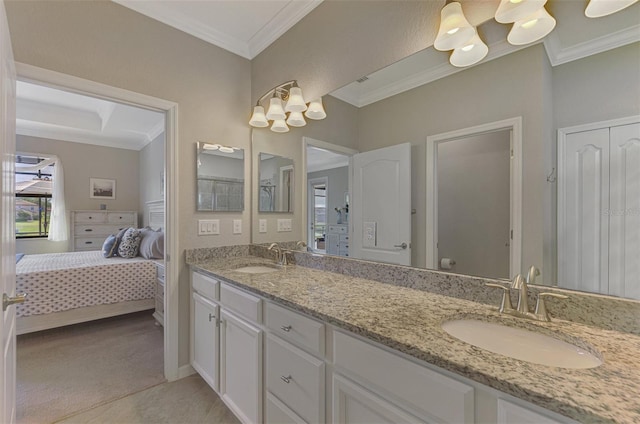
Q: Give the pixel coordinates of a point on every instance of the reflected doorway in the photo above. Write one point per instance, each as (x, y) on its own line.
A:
(317, 195)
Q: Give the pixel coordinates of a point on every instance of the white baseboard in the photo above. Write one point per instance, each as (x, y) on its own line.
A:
(185, 371)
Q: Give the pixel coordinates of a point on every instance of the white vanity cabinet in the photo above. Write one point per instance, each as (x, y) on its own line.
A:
(511, 413)
(206, 329)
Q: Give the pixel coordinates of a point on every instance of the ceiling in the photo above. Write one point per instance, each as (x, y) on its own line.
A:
(243, 27)
(320, 159)
(61, 115)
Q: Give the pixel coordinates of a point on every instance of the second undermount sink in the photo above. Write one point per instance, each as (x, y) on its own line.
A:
(256, 269)
(521, 344)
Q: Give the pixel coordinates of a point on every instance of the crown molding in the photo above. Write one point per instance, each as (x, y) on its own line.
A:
(290, 15)
(189, 26)
(155, 131)
(558, 55)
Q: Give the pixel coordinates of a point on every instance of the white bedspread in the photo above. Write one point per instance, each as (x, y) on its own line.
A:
(62, 281)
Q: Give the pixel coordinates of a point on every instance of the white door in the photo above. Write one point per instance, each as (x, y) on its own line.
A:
(7, 224)
(381, 209)
(241, 367)
(624, 211)
(317, 191)
(206, 333)
(583, 254)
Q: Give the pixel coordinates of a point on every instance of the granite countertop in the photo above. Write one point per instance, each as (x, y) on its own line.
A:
(410, 321)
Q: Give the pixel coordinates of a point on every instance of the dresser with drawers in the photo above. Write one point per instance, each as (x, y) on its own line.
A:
(89, 229)
(338, 239)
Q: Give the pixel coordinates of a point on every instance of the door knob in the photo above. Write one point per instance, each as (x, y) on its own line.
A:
(8, 301)
(402, 246)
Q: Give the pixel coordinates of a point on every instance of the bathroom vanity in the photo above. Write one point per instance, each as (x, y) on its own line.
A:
(318, 346)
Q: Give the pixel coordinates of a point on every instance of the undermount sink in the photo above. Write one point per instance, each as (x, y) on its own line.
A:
(521, 344)
(256, 269)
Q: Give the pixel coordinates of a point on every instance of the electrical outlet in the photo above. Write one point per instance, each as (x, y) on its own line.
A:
(284, 225)
(237, 226)
(207, 227)
(262, 225)
(369, 234)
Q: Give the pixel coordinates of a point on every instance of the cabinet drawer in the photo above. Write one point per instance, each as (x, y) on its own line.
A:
(160, 272)
(511, 413)
(302, 331)
(338, 229)
(160, 288)
(92, 230)
(121, 218)
(90, 217)
(426, 392)
(89, 243)
(243, 303)
(344, 238)
(277, 412)
(205, 285)
(295, 378)
(160, 305)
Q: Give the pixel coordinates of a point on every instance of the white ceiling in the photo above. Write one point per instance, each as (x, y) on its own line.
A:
(320, 159)
(60, 115)
(244, 27)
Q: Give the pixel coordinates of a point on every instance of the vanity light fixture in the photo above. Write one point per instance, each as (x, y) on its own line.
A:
(471, 53)
(219, 147)
(532, 28)
(454, 29)
(516, 10)
(287, 113)
(599, 8)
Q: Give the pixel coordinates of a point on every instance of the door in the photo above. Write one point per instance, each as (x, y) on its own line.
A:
(381, 209)
(583, 253)
(241, 367)
(206, 340)
(624, 211)
(7, 224)
(317, 191)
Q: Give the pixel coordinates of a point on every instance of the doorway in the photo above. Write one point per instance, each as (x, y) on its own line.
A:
(474, 200)
(317, 189)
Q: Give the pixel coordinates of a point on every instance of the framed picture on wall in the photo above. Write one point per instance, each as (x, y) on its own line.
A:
(102, 189)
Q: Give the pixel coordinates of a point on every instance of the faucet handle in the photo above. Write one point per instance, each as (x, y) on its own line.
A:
(532, 274)
(541, 311)
(505, 304)
(517, 282)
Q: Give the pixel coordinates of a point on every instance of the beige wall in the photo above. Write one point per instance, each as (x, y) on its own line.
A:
(150, 169)
(80, 163)
(105, 42)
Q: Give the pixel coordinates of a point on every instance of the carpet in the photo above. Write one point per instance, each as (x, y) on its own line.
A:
(63, 371)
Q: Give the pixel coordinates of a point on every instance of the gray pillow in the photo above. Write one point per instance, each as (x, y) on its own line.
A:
(152, 245)
(110, 246)
(130, 244)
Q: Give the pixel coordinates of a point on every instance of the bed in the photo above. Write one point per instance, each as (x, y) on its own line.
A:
(68, 288)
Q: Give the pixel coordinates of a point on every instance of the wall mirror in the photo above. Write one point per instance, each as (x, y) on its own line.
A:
(220, 178)
(468, 116)
(276, 183)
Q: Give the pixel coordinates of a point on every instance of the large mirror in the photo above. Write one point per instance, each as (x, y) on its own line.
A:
(490, 149)
(275, 183)
(220, 178)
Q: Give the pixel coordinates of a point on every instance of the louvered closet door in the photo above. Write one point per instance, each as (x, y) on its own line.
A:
(585, 247)
(624, 213)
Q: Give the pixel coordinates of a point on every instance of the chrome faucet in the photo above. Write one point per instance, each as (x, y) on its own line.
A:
(280, 257)
(300, 244)
(523, 294)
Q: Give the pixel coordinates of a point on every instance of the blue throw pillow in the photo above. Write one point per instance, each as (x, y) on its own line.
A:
(110, 246)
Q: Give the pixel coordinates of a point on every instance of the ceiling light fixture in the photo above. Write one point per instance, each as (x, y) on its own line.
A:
(532, 28)
(471, 53)
(454, 29)
(285, 107)
(599, 8)
(515, 10)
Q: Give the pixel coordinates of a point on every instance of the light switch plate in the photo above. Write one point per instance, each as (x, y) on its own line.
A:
(369, 234)
(284, 225)
(237, 226)
(207, 227)
(262, 225)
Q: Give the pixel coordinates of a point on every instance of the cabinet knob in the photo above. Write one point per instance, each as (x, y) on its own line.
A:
(88, 230)
(286, 328)
(286, 379)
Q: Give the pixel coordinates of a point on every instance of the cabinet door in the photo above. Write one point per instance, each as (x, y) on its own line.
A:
(583, 254)
(206, 337)
(241, 367)
(510, 413)
(624, 212)
(354, 404)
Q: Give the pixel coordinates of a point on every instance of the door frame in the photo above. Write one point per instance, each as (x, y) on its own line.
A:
(53, 79)
(515, 126)
(308, 141)
(311, 210)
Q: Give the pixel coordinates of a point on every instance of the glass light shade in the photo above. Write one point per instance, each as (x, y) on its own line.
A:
(471, 53)
(316, 110)
(532, 28)
(258, 119)
(598, 8)
(279, 126)
(296, 119)
(226, 149)
(515, 10)
(296, 102)
(275, 112)
(454, 29)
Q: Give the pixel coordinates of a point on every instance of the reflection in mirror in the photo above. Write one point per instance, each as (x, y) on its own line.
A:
(275, 183)
(220, 178)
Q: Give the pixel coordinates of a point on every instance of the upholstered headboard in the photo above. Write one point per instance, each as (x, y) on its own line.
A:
(155, 214)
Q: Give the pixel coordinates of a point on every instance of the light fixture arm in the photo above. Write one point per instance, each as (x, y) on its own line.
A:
(281, 90)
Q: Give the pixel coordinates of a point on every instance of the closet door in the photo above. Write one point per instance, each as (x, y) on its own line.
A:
(624, 212)
(583, 261)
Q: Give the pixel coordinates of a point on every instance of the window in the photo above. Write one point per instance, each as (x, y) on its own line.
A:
(33, 197)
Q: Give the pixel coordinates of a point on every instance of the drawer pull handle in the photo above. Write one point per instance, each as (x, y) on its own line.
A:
(88, 242)
(286, 379)
(88, 230)
(211, 316)
(286, 328)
